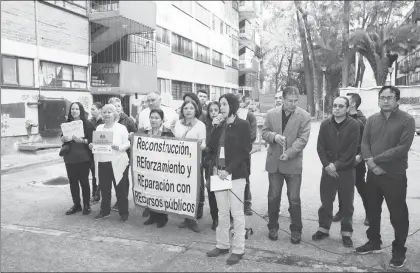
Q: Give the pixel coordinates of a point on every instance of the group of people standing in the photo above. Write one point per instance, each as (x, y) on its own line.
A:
(347, 142)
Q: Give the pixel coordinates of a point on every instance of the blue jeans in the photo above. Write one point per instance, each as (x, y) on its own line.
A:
(293, 182)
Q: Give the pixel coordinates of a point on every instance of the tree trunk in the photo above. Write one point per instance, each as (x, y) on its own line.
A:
(314, 66)
(346, 33)
(289, 68)
(278, 74)
(306, 67)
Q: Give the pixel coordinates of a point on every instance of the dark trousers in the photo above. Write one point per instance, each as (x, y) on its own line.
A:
(94, 184)
(106, 176)
(392, 187)
(247, 192)
(344, 184)
(79, 173)
(158, 217)
(360, 186)
(214, 211)
(125, 181)
(293, 181)
(202, 185)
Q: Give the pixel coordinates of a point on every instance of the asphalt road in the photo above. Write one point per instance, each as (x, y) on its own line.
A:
(37, 236)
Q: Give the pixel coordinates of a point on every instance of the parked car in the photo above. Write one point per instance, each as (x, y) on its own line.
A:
(415, 112)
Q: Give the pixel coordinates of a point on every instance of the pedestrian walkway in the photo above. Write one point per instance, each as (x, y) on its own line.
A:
(24, 160)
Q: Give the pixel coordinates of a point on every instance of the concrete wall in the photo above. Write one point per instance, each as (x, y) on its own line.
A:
(409, 95)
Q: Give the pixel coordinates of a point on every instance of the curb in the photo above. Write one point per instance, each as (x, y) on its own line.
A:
(25, 167)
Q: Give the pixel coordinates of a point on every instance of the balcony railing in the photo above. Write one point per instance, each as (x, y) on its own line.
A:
(104, 6)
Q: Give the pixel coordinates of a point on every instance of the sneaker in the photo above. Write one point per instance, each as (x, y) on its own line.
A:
(368, 248)
(124, 218)
(194, 226)
(234, 259)
(74, 209)
(214, 224)
(115, 207)
(273, 235)
(366, 222)
(397, 260)
(295, 239)
(347, 241)
(319, 235)
(101, 216)
(149, 221)
(337, 217)
(86, 209)
(217, 252)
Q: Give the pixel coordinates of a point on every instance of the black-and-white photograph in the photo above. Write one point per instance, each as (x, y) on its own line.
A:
(210, 136)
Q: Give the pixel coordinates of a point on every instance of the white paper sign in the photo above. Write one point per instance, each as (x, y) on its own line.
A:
(242, 113)
(217, 184)
(102, 142)
(166, 175)
(222, 152)
(74, 128)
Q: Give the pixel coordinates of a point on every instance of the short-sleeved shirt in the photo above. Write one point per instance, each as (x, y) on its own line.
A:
(198, 131)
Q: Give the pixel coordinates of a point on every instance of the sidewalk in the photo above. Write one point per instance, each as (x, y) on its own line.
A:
(26, 160)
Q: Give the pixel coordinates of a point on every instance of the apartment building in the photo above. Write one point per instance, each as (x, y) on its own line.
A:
(44, 58)
(407, 70)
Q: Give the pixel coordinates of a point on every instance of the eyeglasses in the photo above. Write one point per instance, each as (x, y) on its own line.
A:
(340, 106)
(277, 98)
(150, 100)
(384, 98)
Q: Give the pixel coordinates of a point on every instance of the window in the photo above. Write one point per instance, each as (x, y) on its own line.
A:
(17, 71)
(217, 59)
(180, 88)
(235, 45)
(202, 15)
(234, 63)
(63, 75)
(217, 24)
(163, 86)
(217, 92)
(202, 87)
(221, 27)
(181, 45)
(162, 35)
(202, 53)
(228, 61)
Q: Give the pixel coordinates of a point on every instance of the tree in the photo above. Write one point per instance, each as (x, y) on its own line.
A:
(346, 33)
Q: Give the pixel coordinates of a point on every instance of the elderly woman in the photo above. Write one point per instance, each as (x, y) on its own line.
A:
(230, 146)
(112, 166)
(157, 129)
(190, 127)
(77, 160)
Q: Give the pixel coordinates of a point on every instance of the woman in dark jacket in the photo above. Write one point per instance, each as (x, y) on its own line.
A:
(157, 129)
(213, 111)
(78, 159)
(230, 145)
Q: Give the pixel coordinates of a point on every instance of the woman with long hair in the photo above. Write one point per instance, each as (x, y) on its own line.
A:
(213, 110)
(157, 129)
(95, 111)
(77, 160)
(229, 148)
(112, 166)
(190, 127)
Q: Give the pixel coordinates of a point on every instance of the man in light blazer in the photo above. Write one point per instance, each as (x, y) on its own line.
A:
(287, 130)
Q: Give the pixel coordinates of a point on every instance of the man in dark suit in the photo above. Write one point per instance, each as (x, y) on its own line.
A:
(287, 130)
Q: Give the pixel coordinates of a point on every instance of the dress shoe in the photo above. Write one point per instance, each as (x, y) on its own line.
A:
(217, 252)
(74, 209)
(234, 259)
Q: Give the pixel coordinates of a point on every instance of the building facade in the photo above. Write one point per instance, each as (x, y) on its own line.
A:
(44, 57)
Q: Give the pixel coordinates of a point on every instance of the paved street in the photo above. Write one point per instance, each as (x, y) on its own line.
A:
(37, 236)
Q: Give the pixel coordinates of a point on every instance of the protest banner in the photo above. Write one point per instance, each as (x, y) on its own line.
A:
(102, 142)
(165, 174)
(74, 128)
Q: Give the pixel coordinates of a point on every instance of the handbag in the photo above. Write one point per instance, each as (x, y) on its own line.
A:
(65, 149)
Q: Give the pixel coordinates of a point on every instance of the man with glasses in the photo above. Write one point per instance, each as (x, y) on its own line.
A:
(387, 138)
(337, 145)
(287, 130)
(154, 102)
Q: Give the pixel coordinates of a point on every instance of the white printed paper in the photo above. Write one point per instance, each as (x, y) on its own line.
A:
(102, 142)
(74, 128)
(217, 184)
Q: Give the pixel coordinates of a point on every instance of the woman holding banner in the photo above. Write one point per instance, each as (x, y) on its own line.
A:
(77, 159)
(111, 166)
(156, 118)
(229, 147)
(213, 111)
(190, 127)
